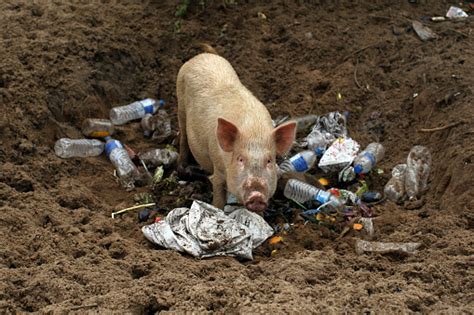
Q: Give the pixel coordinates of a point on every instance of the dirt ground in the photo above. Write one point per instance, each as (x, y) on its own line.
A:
(64, 61)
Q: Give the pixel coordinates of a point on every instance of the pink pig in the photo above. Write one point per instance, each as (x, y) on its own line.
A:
(229, 132)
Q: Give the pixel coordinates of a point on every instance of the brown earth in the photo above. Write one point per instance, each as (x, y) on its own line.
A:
(63, 61)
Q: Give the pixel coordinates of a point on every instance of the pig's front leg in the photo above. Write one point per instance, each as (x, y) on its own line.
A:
(218, 190)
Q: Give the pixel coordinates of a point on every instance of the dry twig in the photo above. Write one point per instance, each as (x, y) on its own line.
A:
(441, 128)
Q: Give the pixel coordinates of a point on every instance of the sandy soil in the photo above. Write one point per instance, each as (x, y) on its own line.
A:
(64, 61)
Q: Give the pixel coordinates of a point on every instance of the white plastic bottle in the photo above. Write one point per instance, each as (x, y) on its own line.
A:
(366, 160)
(302, 192)
(67, 148)
(123, 114)
(126, 169)
(300, 162)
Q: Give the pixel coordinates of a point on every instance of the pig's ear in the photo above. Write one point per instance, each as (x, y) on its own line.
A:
(227, 133)
(284, 136)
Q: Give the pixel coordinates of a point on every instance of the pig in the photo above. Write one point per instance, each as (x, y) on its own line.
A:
(229, 132)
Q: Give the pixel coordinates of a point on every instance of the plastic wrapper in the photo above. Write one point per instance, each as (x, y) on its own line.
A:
(456, 13)
(384, 248)
(205, 231)
(423, 32)
(339, 155)
(417, 171)
(158, 157)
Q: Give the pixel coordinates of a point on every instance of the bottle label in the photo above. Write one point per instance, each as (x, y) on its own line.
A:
(371, 158)
(148, 105)
(323, 196)
(299, 163)
(111, 145)
(99, 134)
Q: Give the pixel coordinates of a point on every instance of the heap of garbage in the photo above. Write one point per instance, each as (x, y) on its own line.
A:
(342, 199)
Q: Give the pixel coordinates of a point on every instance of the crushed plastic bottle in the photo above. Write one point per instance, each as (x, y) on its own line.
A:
(395, 188)
(367, 159)
(157, 157)
(97, 128)
(302, 192)
(67, 148)
(417, 171)
(381, 247)
(301, 162)
(126, 169)
(123, 114)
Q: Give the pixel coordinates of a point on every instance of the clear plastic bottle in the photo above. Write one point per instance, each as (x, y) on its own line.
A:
(304, 122)
(302, 192)
(366, 160)
(417, 171)
(300, 162)
(66, 148)
(97, 128)
(318, 141)
(126, 169)
(395, 188)
(123, 114)
(157, 157)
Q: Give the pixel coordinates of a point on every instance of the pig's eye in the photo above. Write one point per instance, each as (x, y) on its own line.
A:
(240, 159)
(269, 161)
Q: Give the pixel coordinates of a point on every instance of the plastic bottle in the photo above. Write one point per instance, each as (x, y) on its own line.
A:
(417, 171)
(117, 154)
(302, 192)
(395, 188)
(66, 148)
(304, 122)
(157, 157)
(300, 162)
(366, 160)
(318, 142)
(97, 128)
(122, 114)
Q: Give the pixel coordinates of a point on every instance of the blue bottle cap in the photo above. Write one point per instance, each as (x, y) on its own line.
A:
(358, 169)
(299, 164)
(161, 103)
(112, 144)
(319, 151)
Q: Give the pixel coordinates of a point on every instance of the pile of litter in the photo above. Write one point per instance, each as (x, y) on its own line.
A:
(343, 201)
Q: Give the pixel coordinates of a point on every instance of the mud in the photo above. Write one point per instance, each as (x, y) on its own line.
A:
(64, 61)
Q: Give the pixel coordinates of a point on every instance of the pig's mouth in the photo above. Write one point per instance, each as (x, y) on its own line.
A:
(256, 202)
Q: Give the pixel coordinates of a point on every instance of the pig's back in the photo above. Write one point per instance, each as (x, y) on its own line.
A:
(210, 88)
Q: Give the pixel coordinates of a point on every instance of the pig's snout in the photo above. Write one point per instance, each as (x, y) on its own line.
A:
(256, 202)
(256, 194)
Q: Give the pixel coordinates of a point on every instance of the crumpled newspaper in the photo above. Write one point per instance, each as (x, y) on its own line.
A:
(339, 155)
(205, 231)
